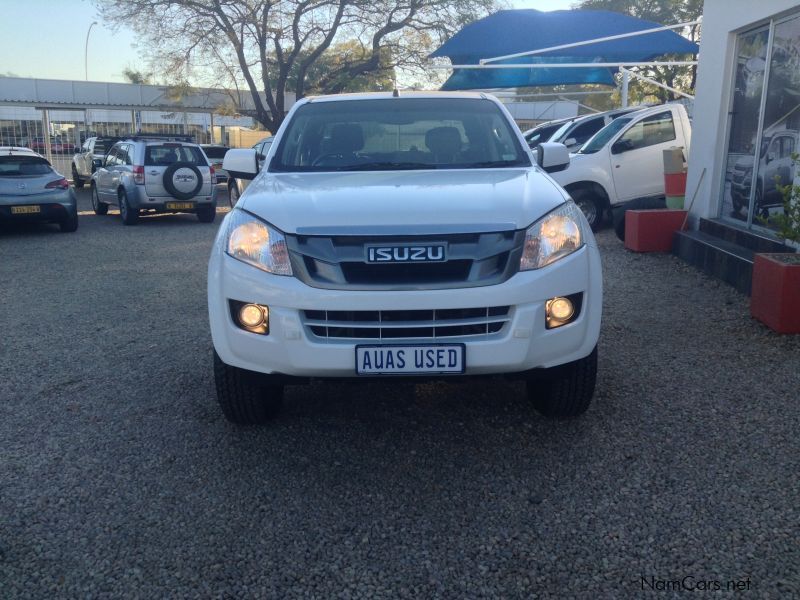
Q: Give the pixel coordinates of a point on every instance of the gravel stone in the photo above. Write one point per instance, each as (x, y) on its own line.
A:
(119, 476)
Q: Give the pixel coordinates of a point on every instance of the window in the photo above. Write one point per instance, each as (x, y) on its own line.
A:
(20, 166)
(112, 158)
(652, 130)
(164, 156)
(215, 151)
(603, 136)
(585, 130)
(398, 133)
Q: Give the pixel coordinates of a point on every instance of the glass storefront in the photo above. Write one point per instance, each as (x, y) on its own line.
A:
(764, 123)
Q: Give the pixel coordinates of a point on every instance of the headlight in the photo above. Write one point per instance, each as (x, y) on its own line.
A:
(554, 236)
(252, 241)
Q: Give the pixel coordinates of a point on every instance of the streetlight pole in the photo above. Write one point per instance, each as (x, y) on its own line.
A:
(86, 51)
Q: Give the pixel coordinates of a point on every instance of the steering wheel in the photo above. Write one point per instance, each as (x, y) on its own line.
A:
(321, 159)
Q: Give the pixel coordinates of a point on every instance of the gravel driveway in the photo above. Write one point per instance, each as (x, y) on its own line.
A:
(120, 477)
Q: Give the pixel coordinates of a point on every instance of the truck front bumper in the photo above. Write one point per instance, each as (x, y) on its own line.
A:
(292, 348)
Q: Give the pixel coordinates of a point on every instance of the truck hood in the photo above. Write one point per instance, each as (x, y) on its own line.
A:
(476, 200)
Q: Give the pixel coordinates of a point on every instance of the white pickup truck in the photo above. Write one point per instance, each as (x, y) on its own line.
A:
(85, 162)
(624, 160)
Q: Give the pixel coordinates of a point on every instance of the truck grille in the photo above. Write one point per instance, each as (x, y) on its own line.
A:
(339, 262)
(406, 324)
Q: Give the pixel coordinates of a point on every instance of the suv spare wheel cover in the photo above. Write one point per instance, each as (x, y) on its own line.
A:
(182, 180)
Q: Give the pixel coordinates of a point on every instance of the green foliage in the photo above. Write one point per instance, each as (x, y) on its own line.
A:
(133, 76)
(787, 224)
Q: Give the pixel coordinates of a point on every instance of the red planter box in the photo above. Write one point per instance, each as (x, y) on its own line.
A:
(775, 298)
(652, 230)
(675, 184)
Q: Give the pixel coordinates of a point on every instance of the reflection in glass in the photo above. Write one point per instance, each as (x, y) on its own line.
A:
(781, 122)
(743, 129)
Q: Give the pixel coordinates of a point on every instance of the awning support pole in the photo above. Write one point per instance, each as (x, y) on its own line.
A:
(624, 92)
(594, 41)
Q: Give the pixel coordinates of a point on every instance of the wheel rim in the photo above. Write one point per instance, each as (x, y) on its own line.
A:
(123, 206)
(589, 210)
(95, 202)
(233, 196)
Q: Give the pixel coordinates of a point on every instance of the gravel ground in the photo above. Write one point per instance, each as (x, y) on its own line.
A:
(119, 476)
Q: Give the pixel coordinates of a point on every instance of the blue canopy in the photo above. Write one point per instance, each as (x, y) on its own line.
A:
(511, 31)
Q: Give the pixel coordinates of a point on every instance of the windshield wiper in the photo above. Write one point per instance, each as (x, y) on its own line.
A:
(386, 165)
(487, 164)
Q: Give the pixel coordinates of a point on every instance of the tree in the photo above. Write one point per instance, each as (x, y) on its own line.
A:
(274, 47)
(665, 12)
(131, 75)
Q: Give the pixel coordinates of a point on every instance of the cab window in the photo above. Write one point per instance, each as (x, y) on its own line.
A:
(652, 130)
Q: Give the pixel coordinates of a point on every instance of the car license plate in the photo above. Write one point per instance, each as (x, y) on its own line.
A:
(420, 359)
(180, 205)
(26, 210)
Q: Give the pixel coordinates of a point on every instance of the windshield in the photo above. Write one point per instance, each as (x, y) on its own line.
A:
(21, 166)
(215, 151)
(603, 136)
(398, 133)
(542, 134)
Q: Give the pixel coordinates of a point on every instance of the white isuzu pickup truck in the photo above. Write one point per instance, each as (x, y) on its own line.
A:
(624, 162)
(402, 235)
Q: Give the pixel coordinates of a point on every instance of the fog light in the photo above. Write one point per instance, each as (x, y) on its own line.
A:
(251, 315)
(559, 311)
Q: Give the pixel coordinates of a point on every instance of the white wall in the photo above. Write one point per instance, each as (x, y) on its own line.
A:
(722, 20)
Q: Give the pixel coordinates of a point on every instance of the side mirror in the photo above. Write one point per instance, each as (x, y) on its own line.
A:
(621, 146)
(570, 142)
(770, 157)
(241, 163)
(552, 156)
(97, 162)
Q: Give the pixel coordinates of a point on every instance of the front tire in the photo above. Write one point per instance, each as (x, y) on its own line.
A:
(233, 194)
(76, 180)
(207, 214)
(130, 216)
(244, 398)
(569, 392)
(100, 208)
(592, 207)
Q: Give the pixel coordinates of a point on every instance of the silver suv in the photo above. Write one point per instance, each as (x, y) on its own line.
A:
(155, 174)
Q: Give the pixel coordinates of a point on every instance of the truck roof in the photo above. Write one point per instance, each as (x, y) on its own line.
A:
(400, 94)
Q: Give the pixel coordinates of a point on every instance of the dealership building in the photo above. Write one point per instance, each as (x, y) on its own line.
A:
(744, 132)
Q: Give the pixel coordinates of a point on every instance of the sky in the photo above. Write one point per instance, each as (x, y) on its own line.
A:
(28, 28)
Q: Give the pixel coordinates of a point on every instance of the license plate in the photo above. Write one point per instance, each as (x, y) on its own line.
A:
(26, 210)
(433, 359)
(180, 205)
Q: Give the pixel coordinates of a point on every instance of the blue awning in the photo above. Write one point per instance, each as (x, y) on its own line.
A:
(512, 31)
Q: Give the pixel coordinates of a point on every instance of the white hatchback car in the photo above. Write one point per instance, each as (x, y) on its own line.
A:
(404, 235)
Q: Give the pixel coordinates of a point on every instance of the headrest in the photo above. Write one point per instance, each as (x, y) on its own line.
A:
(443, 140)
(346, 138)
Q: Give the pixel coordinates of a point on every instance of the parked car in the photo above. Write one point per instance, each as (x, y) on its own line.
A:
(543, 132)
(215, 153)
(624, 160)
(403, 236)
(149, 173)
(575, 132)
(775, 168)
(58, 145)
(31, 190)
(90, 156)
(236, 187)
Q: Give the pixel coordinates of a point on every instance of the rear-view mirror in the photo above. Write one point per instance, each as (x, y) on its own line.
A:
(552, 156)
(621, 146)
(241, 163)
